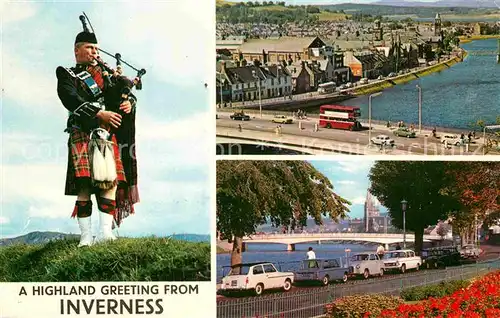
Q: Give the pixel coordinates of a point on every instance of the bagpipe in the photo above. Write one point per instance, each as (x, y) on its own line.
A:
(117, 89)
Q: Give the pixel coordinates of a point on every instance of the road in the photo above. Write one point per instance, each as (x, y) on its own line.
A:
(420, 145)
(310, 302)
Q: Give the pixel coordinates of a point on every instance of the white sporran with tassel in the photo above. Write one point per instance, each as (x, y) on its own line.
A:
(103, 165)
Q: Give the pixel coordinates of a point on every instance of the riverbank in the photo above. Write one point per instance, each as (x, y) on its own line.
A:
(223, 247)
(406, 78)
(465, 39)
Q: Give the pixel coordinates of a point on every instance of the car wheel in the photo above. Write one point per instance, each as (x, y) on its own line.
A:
(403, 269)
(288, 285)
(345, 278)
(259, 289)
(381, 272)
(407, 136)
(326, 280)
(366, 274)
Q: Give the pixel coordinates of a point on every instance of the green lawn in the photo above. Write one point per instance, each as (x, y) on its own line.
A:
(126, 259)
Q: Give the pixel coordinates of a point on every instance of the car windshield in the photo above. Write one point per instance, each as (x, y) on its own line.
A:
(306, 264)
(394, 255)
(239, 270)
(359, 257)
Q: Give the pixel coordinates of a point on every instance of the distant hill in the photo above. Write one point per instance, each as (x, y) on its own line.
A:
(390, 8)
(442, 3)
(45, 237)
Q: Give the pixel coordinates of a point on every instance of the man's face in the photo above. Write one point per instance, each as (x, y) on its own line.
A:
(86, 53)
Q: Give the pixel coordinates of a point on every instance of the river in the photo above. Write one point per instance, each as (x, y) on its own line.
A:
(455, 97)
(286, 261)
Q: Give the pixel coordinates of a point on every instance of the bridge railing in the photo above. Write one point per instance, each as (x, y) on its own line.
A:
(311, 302)
(334, 235)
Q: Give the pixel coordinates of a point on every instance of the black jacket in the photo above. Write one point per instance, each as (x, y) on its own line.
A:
(81, 104)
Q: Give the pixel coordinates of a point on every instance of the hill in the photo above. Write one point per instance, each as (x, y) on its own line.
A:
(399, 10)
(271, 12)
(38, 237)
(278, 12)
(126, 259)
(441, 3)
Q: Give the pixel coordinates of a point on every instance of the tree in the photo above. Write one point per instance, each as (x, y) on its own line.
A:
(477, 189)
(420, 184)
(285, 193)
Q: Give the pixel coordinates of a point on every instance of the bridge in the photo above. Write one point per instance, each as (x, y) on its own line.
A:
(291, 239)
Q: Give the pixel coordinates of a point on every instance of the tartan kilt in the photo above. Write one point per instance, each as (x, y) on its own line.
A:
(78, 173)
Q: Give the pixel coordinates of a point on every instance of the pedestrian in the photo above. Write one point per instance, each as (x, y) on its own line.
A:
(380, 251)
(95, 124)
(239, 127)
(310, 254)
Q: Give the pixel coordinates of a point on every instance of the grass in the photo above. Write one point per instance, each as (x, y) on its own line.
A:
(331, 16)
(271, 8)
(220, 250)
(126, 259)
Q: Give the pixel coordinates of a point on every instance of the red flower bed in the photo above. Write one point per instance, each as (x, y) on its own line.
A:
(481, 299)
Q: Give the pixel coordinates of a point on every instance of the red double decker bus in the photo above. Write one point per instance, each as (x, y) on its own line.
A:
(339, 117)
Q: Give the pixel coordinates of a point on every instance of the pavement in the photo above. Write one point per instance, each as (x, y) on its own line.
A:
(327, 141)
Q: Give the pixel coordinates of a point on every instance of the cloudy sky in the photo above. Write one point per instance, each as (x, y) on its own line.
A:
(350, 180)
(174, 129)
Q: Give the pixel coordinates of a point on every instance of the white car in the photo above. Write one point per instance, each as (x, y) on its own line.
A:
(402, 260)
(363, 81)
(256, 277)
(383, 140)
(366, 264)
(470, 251)
(453, 140)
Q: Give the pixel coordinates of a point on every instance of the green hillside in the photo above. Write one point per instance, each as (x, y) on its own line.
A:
(126, 259)
(422, 12)
(272, 12)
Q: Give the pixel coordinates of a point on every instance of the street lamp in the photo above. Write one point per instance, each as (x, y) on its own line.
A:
(419, 108)
(403, 206)
(221, 80)
(260, 98)
(370, 115)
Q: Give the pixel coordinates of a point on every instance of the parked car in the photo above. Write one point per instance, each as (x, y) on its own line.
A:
(405, 132)
(256, 277)
(349, 85)
(440, 257)
(363, 81)
(392, 74)
(239, 116)
(401, 260)
(321, 270)
(282, 119)
(454, 140)
(382, 140)
(470, 251)
(366, 264)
